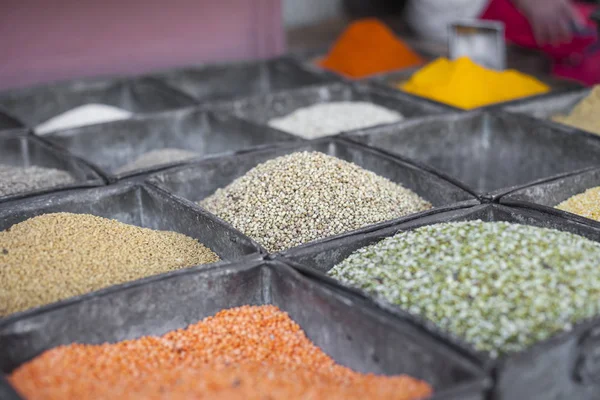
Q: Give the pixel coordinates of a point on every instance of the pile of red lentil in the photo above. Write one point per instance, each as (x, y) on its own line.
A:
(250, 352)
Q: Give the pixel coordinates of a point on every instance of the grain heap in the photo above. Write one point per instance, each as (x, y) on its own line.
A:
(15, 180)
(305, 196)
(500, 286)
(55, 256)
(157, 157)
(585, 114)
(586, 204)
(240, 353)
(326, 119)
(467, 85)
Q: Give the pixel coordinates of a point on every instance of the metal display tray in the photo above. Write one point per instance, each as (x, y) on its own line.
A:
(353, 333)
(548, 193)
(261, 109)
(218, 82)
(17, 148)
(562, 367)
(35, 105)
(487, 151)
(112, 145)
(136, 204)
(195, 181)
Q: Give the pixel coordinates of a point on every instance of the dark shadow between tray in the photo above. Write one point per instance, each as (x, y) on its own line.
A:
(357, 335)
(543, 371)
(112, 146)
(488, 152)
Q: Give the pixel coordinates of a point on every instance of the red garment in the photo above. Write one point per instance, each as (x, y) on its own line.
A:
(578, 59)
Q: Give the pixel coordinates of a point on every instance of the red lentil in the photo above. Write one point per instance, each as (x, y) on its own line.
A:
(242, 353)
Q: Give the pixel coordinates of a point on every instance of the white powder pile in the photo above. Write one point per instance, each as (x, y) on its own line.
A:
(83, 115)
(332, 118)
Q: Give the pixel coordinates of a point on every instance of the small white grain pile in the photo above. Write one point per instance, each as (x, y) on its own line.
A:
(326, 119)
(83, 115)
(15, 180)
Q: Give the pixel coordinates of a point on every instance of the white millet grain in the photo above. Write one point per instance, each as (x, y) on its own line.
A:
(15, 180)
(305, 196)
(87, 114)
(500, 286)
(55, 256)
(157, 157)
(332, 118)
(586, 204)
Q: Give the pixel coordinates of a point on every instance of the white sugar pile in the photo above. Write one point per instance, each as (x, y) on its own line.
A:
(83, 115)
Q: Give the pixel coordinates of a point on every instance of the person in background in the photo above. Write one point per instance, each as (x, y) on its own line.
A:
(552, 21)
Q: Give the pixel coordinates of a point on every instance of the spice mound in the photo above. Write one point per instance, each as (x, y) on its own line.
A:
(157, 157)
(586, 204)
(585, 115)
(368, 47)
(500, 286)
(55, 256)
(87, 114)
(15, 180)
(332, 118)
(241, 353)
(465, 84)
(305, 196)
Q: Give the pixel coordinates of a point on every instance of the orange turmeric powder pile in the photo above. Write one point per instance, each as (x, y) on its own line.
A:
(368, 47)
(240, 353)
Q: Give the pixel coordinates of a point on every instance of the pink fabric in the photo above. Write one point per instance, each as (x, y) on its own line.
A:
(578, 59)
(52, 40)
